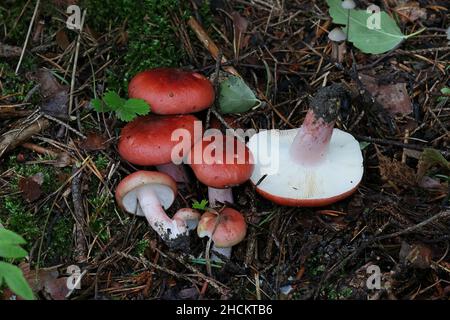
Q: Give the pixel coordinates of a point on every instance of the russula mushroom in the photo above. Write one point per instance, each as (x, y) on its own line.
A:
(220, 162)
(172, 91)
(337, 36)
(147, 141)
(148, 193)
(314, 165)
(226, 229)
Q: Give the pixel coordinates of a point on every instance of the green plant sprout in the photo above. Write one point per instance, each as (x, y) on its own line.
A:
(125, 110)
(10, 243)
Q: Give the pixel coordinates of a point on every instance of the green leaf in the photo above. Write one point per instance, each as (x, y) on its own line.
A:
(113, 100)
(200, 205)
(132, 108)
(363, 145)
(99, 106)
(367, 40)
(12, 251)
(236, 96)
(9, 237)
(15, 280)
(445, 91)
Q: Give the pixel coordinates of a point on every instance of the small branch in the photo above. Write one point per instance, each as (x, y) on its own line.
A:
(22, 133)
(28, 34)
(209, 44)
(75, 61)
(78, 210)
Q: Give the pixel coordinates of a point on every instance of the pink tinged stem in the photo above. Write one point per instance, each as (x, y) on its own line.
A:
(219, 195)
(312, 140)
(226, 252)
(167, 228)
(176, 171)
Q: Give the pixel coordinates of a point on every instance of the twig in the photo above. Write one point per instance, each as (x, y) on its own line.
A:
(75, 61)
(28, 34)
(16, 137)
(209, 44)
(64, 124)
(80, 244)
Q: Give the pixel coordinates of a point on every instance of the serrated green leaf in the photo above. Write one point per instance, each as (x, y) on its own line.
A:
(113, 100)
(200, 205)
(445, 91)
(12, 251)
(99, 106)
(236, 96)
(367, 40)
(132, 108)
(9, 237)
(15, 280)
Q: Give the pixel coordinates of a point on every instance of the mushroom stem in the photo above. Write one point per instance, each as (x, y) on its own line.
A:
(219, 195)
(311, 143)
(176, 171)
(150, 205)
(224, 251)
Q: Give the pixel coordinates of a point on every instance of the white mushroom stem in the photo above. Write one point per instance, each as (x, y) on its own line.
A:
(219, 195)
(176, 171)
(311, 142)
(150, 205)
(226, 252)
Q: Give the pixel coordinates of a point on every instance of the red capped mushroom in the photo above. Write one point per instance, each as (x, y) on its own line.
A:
(148, 193)
(148, 141)
(314, 165)
(226, 229)
(172, 91)
(220, 162)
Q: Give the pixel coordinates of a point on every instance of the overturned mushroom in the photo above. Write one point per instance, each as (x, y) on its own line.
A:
(314, 165)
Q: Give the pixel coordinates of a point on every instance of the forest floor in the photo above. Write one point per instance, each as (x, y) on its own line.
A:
(57, 186)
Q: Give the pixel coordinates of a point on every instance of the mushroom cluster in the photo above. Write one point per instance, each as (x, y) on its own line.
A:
(314, 165)
(148, 141)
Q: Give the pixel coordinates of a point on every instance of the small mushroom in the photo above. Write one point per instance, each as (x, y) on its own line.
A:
(148, 193)
(314, 165)
(348, 4)
(172, 91)
(337, 38)
(226, 229)
(220, 162)
(147, 141)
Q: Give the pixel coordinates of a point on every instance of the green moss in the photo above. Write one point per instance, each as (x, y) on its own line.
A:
(101, 162)
(16, 85)
(101, 215)
(61, 239)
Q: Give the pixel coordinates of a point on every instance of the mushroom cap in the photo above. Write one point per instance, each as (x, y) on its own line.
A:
(172, 91)
(162, 184)
(230, 230)
(348, 4)
(211, 166)
(146, 141)
(337, 35)
(289, 183)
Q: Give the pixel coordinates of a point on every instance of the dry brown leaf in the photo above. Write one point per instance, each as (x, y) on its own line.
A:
(416, 255)
(396, 173)
(93, 142)
(62, 40)
(393, 97)
(31, 187)
(411, 11)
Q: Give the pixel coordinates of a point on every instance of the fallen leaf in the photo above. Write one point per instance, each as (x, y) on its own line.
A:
(62, 40)
(416, 255)
(240, 27)
(411, 11)
(431, 158)
(94, 142)
(31, 187)
(393, 97)
(55, 95)
(57, 289)
(396, 173)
